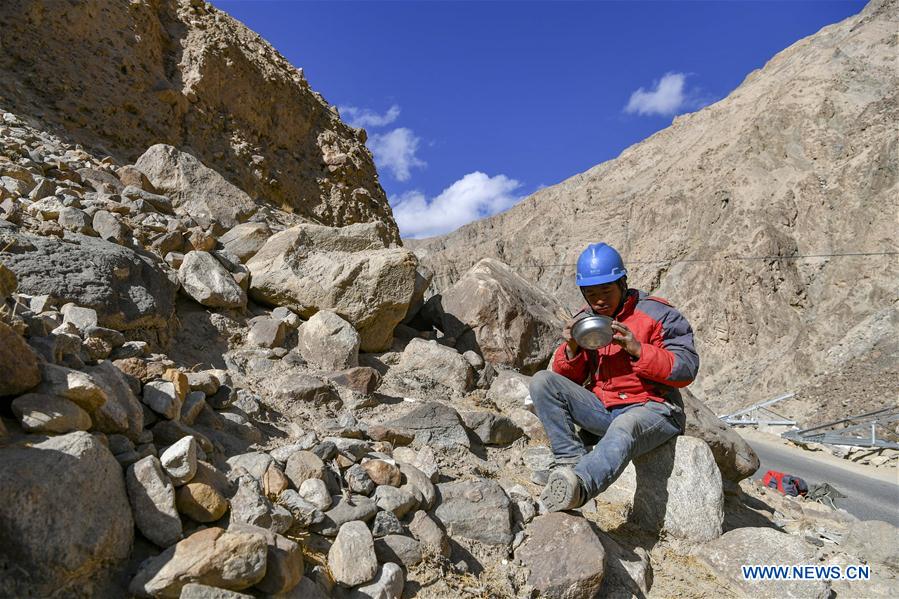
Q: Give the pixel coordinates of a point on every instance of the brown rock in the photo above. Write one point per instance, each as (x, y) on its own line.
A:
(284, 561)
(214, 556)
(393, 435)
(361, 379)
(274, 481)
(303, 465)
(200, 502)
(179, 379)
(19, 370)
(47, 414)
(383, 473)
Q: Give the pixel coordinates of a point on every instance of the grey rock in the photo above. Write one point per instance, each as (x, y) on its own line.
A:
(128, 289)
(420, 485)
(352, 556)
(388, 584)
(304, 513)
(679, 490)
(77, 386)
(873, 541)
(742, 546)
(478, 510)
(82, 318)
(303, 465)
(492, 429)
(284, 560)
(65, 515)
(434, 424)
(205, 381)
(250, 506)
(245, 239)
(306, 442)
(343, 510)
(734, 456)
(122, 411)
(329, 342)
(386, 523)
(427, 368)
(255, 463)
(180, 461)
(358, 481)
(289, 317)
(195, 190)
(399, 501)
(75, 220)
(423, 459)
(267, 332)
(349, 270)
(398, 549)
(109, 227)
(433, 539)
(204, 279)
(315, 491)
(201, 591)
(162, 398)
(152, 499)
(111, 336)
(564, 556)
(194, 403)
(39, 413)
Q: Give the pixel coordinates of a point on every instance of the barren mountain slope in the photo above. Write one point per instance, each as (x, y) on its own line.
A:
(118, 77)
(801, 159)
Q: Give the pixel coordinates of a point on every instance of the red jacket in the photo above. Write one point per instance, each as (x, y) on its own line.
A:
(667, 361)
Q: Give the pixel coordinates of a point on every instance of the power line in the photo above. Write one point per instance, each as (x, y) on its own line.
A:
(728, 259)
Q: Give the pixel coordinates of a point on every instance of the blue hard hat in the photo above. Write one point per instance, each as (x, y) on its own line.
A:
(598, 264)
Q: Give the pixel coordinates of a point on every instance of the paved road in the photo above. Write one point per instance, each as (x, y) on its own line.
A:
(867, 498)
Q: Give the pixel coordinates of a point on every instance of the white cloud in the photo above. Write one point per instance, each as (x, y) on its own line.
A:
(363, 117)
(472, 197)
(395, 151)
(668, 97)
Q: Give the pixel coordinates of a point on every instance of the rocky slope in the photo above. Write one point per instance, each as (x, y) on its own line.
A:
(183, 73)
(801, 159)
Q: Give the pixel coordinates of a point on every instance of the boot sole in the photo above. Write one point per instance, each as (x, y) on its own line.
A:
(559, 493)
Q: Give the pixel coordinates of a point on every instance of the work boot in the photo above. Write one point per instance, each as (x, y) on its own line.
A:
(563, 491)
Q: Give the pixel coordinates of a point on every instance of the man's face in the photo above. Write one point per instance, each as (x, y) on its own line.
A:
(603, 298)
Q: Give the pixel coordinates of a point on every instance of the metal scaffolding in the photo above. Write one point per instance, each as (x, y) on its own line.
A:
(760, 413)
(859, 431)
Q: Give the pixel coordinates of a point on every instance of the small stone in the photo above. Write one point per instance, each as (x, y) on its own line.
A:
(284, 561)
(352, 556)
(162, 398)
(267, 332)
(477, 510)
(383, 473)
(82, 318)
(71, 384)
(287, 315)
(201, 502)
(205, 381)
(343, 510)
(202, 591)
(304, 513)
(193, 405)
(180, 461)
(423, 459)
(398, 549)
(388, 584)
(315, 491)
(153, 502)
(75, 220)
(274, 482)
(361, 379)
(432, 538)
(109, 227)
(358, 481)
(492, 429)
(386, 523)
(40, 413)
(255, 463)
(205, 280)
(420, 485)
(399, 501)
(303, 465)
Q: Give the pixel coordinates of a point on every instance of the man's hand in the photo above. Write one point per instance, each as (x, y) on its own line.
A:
(625, 338)
(571, 347)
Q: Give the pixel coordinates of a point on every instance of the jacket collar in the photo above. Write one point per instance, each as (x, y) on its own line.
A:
(627, 307)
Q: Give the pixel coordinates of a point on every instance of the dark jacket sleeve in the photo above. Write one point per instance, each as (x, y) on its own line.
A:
(670, 357)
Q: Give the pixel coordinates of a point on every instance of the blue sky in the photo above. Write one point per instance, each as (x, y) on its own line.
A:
(471, 106)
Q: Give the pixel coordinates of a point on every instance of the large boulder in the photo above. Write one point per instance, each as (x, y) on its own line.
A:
(564, 556)
(503, 317)
(195, 189)
(128, 289)
(478, 510)
(679, 491)
(64, 516)
(350, 270)
(208, 282)
(734, 456)
(329, 342)
(245, 239)
(761, 546)
(426, 366)
(232, 560)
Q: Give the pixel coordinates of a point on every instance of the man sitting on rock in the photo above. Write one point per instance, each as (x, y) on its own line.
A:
(624, 393)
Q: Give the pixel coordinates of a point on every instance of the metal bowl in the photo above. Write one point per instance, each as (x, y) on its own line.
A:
(593, 331)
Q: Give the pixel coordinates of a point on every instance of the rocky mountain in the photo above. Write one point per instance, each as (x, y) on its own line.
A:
(180, 72)
(205, 395)
(713, 212)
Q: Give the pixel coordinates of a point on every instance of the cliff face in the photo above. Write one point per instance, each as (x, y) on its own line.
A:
(801, 159)
(118, 77)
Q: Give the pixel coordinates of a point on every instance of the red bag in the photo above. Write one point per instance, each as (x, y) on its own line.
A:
(785, 483)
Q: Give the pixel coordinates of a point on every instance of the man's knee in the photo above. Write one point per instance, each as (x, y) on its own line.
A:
(541, 385)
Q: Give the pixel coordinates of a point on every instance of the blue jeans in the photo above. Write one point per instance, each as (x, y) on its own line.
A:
(625, 432)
